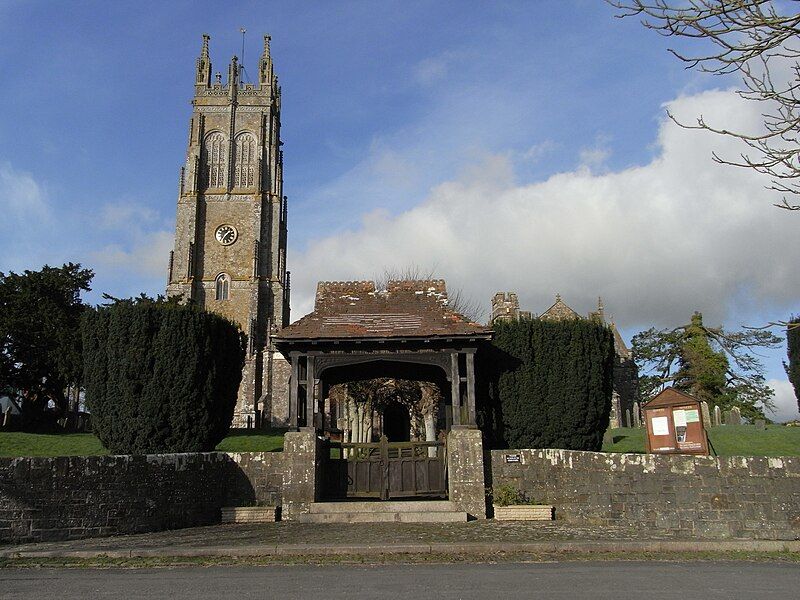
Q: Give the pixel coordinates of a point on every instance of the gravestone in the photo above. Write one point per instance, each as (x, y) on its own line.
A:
(761, 424)
(706, 414)
(717, 416)
(735, 416)
(628, 418)
(608, 438)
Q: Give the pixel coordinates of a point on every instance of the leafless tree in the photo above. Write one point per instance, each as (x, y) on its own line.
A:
(759, 41)
(457, 299)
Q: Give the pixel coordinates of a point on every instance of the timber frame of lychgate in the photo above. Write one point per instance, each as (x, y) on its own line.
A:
(357, 332)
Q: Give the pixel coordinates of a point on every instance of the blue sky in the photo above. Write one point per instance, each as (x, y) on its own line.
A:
(507, 145)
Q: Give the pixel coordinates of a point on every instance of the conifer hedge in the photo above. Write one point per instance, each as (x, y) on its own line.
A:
(793, 354)
(551, 385)
(160, 377)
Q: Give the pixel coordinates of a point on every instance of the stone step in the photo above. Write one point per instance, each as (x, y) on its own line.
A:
(381, 506)
(384, 517)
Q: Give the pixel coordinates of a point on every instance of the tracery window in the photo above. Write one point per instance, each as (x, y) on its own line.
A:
(245, 165)
(214, 160)
(222, 286)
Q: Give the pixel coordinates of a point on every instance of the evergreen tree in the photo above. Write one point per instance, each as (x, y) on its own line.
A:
(793, 354)
(40, 342)
(551, 384)
(708, 362)
(160, 376)
(702, 371)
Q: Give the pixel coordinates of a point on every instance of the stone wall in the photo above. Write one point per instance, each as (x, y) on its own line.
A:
(684, 496)
(87, 496)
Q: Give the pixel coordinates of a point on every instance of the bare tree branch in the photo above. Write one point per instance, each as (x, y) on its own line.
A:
(752, 39)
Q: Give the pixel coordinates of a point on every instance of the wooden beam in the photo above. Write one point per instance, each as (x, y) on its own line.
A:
(455, 387)
(471, 388)
(311, 400)
(294, 384)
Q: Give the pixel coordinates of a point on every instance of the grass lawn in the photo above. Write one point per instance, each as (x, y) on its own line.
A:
(13, 443)
(729, 440)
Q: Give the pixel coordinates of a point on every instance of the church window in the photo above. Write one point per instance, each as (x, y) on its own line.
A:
(245, 164)
(214, 160)
(222, 287)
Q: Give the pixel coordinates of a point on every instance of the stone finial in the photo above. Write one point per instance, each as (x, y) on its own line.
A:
(267, 39)
(600, 307)
(265, 75)
(203, 71)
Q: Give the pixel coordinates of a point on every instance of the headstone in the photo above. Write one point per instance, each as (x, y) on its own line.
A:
(706, 414)
(717, 416)
(761, 424)
(628, 419)
(7, 418)
(608, 439)
(736, 416)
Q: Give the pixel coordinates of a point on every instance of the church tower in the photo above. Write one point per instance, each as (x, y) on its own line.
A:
(230, 238)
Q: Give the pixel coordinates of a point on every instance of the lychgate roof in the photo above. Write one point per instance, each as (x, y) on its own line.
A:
(407, 308)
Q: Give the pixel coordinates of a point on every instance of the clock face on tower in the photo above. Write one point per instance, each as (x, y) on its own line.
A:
(226, 234)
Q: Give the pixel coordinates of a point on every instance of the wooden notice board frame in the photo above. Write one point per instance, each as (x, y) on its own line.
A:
(674, 424)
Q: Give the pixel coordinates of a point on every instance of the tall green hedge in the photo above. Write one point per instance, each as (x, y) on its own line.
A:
(550, 384)
(160, 377)
(793, 354)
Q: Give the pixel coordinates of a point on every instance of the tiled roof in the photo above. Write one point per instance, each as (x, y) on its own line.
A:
(355, 309)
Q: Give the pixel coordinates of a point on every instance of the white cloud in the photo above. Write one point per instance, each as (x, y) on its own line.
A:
(435, 68)
(657, 241)
(594, 157)
(22, 198)
(785, 401)
(123, 214)
(537, 151)
(145, 255)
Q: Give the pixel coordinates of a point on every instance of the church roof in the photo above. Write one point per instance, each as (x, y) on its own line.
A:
(559, 311)
(406, 309)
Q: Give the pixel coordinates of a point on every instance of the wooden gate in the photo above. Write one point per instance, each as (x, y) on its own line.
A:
(385, 469)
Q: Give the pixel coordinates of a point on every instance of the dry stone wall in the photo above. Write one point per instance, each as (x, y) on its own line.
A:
(87, 496)
(685, 496)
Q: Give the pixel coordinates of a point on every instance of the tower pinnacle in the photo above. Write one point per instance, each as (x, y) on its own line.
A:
(203, 75)
(265, 64)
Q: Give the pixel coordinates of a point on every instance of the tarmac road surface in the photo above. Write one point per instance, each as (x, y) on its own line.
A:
(596, 580)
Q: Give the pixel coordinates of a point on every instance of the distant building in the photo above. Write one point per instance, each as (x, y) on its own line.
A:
(625, 397)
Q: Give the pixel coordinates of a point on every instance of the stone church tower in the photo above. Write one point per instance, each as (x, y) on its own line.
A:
(230, 238)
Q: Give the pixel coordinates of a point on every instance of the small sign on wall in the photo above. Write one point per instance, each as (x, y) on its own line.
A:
(513, 458)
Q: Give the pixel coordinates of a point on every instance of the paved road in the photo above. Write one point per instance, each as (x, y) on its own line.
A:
(573, 580)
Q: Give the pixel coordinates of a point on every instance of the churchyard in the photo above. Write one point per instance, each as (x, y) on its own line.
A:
(728, 440)
(17, 443)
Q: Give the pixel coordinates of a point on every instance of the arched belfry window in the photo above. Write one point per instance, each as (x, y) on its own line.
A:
(245, 163)
(222, 287)
(214, 160)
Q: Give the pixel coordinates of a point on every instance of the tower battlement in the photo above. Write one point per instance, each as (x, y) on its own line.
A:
(505, 307)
